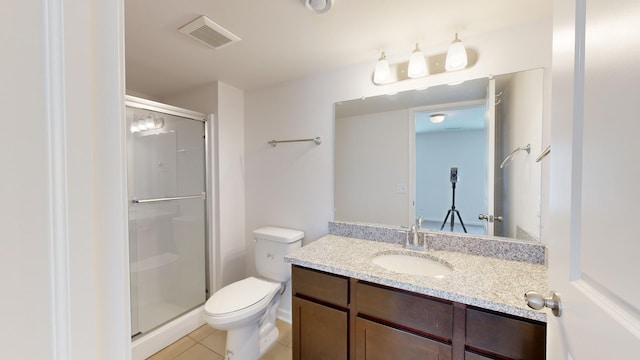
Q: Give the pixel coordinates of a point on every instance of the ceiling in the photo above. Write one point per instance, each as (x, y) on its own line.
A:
(282, 40)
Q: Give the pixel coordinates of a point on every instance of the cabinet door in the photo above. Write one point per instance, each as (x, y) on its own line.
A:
(376, 341)
(319, 332)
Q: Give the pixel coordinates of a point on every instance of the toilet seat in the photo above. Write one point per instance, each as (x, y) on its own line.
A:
(240, 300)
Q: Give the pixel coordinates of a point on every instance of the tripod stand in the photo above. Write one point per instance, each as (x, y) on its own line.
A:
(453, 209)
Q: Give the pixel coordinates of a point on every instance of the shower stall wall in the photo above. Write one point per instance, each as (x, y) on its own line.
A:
(166, 155)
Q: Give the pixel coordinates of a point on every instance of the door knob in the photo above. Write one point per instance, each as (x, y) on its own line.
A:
(490, 218)
(537, 301)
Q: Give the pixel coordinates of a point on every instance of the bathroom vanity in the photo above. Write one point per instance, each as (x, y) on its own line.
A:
(346, 307)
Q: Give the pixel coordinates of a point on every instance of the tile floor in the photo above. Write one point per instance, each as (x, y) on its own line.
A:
(206, 343)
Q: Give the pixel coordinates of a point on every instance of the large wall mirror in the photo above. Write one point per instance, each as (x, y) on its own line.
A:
(396, 157)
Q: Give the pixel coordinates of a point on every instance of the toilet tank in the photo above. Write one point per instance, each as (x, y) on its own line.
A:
(271, 245)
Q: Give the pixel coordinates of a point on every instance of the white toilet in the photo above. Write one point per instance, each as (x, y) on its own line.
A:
(247, 308)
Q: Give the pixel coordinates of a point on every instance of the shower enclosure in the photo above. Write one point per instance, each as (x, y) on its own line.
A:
(166, 155)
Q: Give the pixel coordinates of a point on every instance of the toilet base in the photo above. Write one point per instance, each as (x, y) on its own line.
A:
(267, 341)
(246, 344)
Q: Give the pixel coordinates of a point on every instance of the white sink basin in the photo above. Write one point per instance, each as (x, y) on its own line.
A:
(412, 265)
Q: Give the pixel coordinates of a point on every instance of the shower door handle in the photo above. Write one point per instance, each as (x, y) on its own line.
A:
(142, 201)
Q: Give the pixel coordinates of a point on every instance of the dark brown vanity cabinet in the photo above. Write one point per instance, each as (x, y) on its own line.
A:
(320, 307)
(335, 317)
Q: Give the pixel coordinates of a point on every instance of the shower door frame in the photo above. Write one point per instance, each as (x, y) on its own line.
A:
(210, 172)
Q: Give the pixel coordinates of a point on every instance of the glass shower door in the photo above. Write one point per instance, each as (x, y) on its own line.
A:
(167, 228)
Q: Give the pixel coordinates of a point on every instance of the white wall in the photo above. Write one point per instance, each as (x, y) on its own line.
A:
(231, 184)
(366, 191)
(24, 215)
(292, 185)
(436, 154)
(523, 107)
(63, 254)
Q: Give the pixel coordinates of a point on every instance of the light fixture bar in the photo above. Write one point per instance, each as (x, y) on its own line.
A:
(418, 65)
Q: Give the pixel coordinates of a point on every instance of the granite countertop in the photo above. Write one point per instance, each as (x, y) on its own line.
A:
(485, 282)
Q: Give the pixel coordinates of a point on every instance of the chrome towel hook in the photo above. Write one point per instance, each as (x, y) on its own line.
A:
(544, 153)
(513, 154)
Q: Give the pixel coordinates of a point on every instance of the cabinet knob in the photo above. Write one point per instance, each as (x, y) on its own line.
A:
(536, 301)
(483, 217)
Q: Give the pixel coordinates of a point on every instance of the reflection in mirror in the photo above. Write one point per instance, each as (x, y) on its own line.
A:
(393, 162)
(458, 142)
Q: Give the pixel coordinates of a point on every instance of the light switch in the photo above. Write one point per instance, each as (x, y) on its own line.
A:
(401, 188)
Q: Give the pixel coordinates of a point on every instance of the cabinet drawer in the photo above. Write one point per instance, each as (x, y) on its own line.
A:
(412, 312)
(321, 286)
(376, 341)
(505, 336)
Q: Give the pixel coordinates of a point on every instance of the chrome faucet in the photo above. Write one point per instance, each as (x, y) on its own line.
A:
(413, 234)
(414, 240)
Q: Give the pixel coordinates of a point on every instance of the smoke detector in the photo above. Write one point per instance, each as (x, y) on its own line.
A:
(318, 6)
(209, 33)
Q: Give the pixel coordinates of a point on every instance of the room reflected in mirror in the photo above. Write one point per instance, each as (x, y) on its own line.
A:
(395, 155)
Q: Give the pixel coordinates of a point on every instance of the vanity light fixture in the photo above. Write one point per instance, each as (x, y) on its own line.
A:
(437, 118)
(417, 64)
(318, 6)
(456, 56)
(147, 123)
(382, 73)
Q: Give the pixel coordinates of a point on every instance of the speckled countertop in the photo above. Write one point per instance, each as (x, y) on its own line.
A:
(485, 282)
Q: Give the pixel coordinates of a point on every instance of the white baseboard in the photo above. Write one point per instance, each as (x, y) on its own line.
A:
(284, 315)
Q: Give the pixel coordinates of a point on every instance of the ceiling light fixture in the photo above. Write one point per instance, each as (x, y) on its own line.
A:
(382, 73)
(437, 118)
(318, 6)
(456, 56)
(417, 64)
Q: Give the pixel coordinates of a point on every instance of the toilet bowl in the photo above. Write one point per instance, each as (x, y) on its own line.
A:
(246, 309)
(242, 302)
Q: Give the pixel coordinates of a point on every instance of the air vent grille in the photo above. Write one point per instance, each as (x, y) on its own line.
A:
(209, 33)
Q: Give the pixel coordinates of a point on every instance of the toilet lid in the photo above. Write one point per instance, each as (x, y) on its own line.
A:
(240, 295)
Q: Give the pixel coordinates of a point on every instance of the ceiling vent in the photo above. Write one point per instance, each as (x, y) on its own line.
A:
(209, 33)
